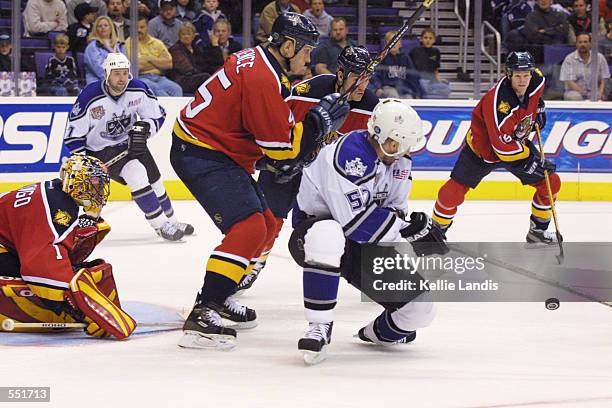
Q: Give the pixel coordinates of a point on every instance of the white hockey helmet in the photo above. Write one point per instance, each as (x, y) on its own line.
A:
(115, 60)
(393, 119)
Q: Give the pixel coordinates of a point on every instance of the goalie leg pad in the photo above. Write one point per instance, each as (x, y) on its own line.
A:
(105, 313)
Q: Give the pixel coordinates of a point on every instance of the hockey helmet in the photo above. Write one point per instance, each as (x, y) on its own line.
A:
(393, 119)
(296, 27)
(115, 60)
(519, 61)
(86, 180)
(354, 59)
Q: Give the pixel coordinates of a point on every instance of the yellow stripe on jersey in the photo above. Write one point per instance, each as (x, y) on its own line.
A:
(178, 131)
(224, 268)
(3, 250)
(511, 157)
(440, 220)
(297, 131)
(469, 140)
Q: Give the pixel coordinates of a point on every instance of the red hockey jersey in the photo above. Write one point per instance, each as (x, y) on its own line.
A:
(241, 111)
(306, 94)
(500, 118)
(37, 224)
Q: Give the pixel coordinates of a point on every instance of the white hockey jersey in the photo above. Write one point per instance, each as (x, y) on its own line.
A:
(350, 184)
(99, 120)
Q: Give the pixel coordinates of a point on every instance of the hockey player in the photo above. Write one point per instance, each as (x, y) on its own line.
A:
(280, 195)
(117, 116)
(499, 138)
(237, 116)
(44, 244)
(355, 192)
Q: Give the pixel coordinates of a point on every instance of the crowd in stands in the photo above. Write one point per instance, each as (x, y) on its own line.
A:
(182, 42)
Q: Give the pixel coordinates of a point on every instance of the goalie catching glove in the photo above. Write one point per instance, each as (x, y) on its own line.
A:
(137, 139)
(424, 236)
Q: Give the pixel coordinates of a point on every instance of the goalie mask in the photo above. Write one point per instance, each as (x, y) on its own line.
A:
(86, 180)
(393, 119)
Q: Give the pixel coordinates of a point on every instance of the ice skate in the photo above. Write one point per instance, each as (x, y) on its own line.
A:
(368, 335)
(540, 238)
(203, 329)
(314, 343)
(170, 232)
(237, 316)
(187, 229)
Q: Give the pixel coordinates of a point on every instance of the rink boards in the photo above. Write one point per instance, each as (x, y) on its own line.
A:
(576, 137)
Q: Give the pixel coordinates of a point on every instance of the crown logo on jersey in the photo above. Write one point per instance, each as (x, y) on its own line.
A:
(76, 109)
(355, 167)
(62, 218)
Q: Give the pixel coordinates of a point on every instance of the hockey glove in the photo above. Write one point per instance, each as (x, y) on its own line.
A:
(137, 139)
(534, 165)
(425, 238)
(541, 114)
(329, 114)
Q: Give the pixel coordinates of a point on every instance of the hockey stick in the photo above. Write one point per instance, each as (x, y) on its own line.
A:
(532, 275)
(116, 158)
(10, 325)
(561, 256)
(404, 29)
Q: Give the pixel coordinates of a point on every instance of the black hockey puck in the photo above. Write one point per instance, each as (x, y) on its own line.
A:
(552, 304)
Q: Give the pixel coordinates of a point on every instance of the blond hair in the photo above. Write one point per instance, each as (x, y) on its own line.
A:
(187, 26)
(61, 39)
(389, 36)
(94, 31)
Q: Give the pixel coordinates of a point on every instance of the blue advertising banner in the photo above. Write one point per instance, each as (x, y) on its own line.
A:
(577, 139)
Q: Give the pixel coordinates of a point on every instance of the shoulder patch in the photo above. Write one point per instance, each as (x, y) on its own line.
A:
(76, 109)
(504, 107)
(302, 88)
(355, 167)
(62, 217)
(354, 158)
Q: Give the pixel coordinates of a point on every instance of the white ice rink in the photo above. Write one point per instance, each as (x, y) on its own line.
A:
(473, 355)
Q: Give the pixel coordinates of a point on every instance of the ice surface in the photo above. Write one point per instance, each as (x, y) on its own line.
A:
(473, 355)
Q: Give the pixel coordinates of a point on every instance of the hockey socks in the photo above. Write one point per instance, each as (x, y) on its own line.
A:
(450, 196)
(320, 292)
(147, 201)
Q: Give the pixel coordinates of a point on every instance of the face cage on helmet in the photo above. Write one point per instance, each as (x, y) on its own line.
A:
(398, 154)
(92, 189)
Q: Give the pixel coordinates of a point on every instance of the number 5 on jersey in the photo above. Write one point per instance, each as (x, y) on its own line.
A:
(203, 97)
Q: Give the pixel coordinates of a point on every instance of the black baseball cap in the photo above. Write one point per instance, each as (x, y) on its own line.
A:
(167, 3)
(4, 37)
(83, 9)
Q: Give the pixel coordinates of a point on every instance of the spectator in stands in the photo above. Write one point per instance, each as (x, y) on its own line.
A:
(576, 71)
(546, 26)
(42, 16)
(186, 10)
(78, 33)
(396, 76)
(605, 43)
(188, 60)
(5, 52)
(205, 21)
(513, 16)
(269, 14)
(71, 5)
(328, 51)
(61, 77)
(116, 11)
(153, 59)
(102, 41)
(317, 14)
(222, 38)
(426, 59)
(165, 27)
(580, 20)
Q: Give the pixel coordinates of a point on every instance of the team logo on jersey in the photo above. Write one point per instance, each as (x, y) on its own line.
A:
(76, 109)
(117, 127)
(285, 81)
(504, 107)
(302, 88)
(97, 112)
(523, 129)
(62, 218)
(218, 218)
(355, 167)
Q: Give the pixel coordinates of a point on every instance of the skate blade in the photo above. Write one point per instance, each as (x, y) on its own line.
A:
(196, 340)
(239, 325)
(239, 293)
(314, 357)
(372, 343)
(540, 245)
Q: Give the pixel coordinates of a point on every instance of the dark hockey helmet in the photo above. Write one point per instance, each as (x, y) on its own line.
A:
(296, 27)
(519, 61)
(354, 59)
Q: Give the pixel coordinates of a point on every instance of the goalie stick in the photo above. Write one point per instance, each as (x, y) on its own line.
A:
(10, 325)
(404, 29)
